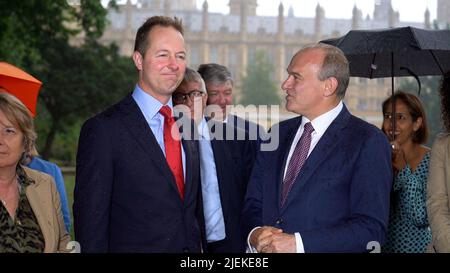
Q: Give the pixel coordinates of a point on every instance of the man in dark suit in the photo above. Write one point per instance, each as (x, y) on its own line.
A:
(326, 188)
(137, 185)
(225, 167)
(219, 85)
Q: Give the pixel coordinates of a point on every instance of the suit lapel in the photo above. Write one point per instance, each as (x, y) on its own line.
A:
(41, 208)
(190, 151)
(135, 122)
(321, 152)
(221, 155)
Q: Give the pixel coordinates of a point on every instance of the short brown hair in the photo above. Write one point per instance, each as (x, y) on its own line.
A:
(17, 113)
(142, 40)
(416, 111)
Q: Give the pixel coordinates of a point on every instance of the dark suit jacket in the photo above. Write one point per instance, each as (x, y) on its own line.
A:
(340, 200)
(234, 161)
(126, 198)
(254, 132)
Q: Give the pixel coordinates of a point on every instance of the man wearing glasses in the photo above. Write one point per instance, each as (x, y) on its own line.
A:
(225, 166)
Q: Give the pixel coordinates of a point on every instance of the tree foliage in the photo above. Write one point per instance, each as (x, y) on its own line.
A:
(258, 87)
(78, 81)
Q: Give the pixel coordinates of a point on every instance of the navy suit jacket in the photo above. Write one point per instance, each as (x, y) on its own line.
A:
(340, 200)
(254, 132)
(234, 162)
(126, 198)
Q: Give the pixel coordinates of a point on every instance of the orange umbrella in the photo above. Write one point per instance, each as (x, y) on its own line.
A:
(20, 84)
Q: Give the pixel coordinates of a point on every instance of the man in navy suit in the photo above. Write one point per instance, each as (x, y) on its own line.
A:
(326, 188)
(225, 167)
(138, 187)
(219, 86)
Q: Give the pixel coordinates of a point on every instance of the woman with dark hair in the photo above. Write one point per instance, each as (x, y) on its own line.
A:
(438, 202)
(408, 230)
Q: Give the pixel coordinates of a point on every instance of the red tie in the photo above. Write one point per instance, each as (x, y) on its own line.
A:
(173, 147)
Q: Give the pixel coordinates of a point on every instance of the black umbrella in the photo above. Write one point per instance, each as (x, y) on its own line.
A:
(395, 52)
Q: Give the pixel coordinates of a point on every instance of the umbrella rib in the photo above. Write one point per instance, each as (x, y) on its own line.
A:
(436, 60)
(393, 97)
(371, 65)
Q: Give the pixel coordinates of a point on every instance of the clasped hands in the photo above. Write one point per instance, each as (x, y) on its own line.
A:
(268, 239)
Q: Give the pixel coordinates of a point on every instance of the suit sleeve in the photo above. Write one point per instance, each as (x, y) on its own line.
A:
(369, 204)
(59, 180)
(252, 212)
(93, 187)
(437, 198)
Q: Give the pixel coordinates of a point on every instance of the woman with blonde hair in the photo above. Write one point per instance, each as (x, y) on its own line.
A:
(30, 208)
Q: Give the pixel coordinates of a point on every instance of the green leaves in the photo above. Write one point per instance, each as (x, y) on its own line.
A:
(257, 87)
(78, 81)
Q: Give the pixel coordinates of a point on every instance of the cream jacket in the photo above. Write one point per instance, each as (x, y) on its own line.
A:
(438, 192)
(45, 202)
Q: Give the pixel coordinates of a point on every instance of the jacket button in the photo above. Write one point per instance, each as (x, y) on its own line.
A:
(279, 221)
(185, 250)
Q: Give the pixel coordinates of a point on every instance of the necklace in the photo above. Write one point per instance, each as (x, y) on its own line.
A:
(6, 195)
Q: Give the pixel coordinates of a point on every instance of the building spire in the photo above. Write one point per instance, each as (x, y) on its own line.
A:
(427, 21)
(291, 12)
(167, 7)
(356, 17)
(280, 9)
(320, 17)
(280, 33)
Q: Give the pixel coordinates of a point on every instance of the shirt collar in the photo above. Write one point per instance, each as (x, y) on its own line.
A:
(322, 122)
(203, 129)
(147, 103)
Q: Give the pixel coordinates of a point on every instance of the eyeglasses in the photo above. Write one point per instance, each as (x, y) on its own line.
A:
(178, 97)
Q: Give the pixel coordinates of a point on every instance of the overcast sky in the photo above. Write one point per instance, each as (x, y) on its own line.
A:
(410, 10)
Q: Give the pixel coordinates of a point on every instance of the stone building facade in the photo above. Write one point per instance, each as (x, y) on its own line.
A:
(233, 39)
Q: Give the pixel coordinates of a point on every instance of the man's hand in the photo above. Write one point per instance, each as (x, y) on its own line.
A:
(281, 243)
(261, 238)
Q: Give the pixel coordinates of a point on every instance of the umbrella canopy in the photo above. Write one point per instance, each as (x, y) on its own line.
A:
(392, 52)
(20, 84)
(395, 52)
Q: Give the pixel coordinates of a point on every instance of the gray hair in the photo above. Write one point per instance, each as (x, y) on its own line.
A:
(215, 73)
(335, 64)
(190, 75)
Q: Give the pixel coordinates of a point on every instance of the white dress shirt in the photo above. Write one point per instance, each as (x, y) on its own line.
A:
(212, 206)
(150, 107)
(320, 125)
